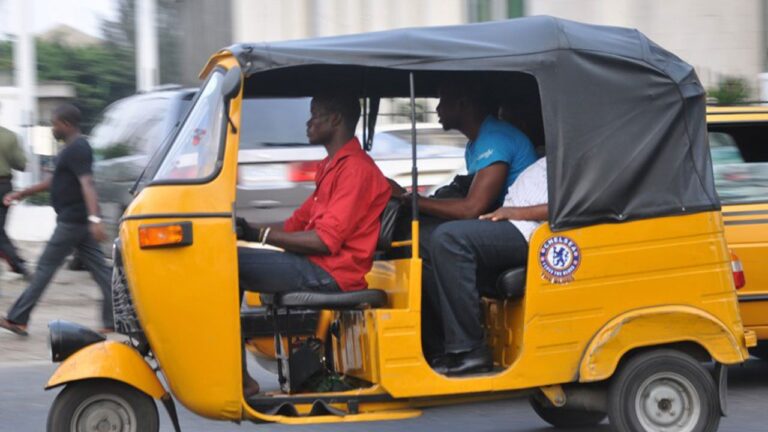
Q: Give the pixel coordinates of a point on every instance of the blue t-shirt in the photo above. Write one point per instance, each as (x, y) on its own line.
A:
(499, 141)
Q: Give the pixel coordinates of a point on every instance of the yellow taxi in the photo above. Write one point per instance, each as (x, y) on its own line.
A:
(740, 158)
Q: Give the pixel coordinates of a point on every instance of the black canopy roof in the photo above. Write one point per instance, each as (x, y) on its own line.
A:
(624, 119)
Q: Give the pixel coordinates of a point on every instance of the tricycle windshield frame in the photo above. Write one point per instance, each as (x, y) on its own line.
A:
(194, 154)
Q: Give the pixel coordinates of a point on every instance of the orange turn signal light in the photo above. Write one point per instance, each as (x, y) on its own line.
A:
(165, 235)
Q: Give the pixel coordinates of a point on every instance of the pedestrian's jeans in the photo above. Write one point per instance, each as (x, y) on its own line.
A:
(466, 256)
(67, 237)
(271, 271)
(7, 250)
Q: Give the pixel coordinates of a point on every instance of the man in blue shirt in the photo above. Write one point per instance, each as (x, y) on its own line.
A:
(496, 154)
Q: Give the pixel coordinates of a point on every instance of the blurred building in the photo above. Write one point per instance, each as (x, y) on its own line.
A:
(266, 20)
(205, 27)
(720, 38)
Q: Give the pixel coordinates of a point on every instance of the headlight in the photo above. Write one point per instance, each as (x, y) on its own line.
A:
(67, 337)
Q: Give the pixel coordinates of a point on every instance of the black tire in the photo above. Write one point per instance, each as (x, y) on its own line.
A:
(123, 408)
(663, 390)
(565, 418)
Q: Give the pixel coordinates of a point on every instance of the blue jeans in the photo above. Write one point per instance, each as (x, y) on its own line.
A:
(66, 238)
(270, 271)
(465, 257)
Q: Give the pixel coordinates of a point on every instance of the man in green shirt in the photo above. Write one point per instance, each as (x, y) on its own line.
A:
(11, 158)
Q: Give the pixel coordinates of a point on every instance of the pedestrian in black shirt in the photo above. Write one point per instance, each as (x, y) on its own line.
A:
(78, 226)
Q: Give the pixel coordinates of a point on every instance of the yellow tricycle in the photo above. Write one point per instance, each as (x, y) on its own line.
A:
(628, 327)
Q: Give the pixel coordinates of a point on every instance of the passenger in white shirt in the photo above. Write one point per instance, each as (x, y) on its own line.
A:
(466, 253)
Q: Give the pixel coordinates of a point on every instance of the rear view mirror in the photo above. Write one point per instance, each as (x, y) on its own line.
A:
(232, 82)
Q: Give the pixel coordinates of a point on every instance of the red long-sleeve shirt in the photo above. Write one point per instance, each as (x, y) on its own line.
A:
(345, 211)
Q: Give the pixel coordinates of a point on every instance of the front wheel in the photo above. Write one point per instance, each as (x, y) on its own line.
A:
(102, 405)
(565, 418)
(663, 391)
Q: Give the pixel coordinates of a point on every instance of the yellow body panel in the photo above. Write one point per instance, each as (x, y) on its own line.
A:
(728, 114)
(652, 263)
(746, 230)
(108, 360)
(187, 297)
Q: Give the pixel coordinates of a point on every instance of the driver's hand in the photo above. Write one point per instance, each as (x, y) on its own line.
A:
(397, 190)
(243, 230)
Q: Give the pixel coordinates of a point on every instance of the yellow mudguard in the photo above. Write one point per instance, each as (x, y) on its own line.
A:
(658, 326)
(109, 360)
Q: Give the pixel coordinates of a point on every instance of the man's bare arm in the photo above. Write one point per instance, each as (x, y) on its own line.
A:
(18, 195)
(486, 187)
(300, 242)
(89, 194)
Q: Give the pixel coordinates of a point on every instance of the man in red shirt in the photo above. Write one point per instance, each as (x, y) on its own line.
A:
(330, 240)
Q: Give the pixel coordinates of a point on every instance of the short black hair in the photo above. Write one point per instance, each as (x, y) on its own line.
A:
(67, 113)
(474, 88)
(347, 105)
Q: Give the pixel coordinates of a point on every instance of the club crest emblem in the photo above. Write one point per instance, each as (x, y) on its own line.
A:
(559, 258)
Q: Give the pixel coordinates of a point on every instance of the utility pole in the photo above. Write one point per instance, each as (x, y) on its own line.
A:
(147, 71)
(25, 70)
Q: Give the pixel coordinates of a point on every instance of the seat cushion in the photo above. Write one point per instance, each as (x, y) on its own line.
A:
(342, 300)
(510, 284)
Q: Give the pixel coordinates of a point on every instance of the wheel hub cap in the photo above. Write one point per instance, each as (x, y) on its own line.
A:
(668, 402)
(105, 413)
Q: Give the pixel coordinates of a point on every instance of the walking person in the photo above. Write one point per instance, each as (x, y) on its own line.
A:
(11, 158)
(78, 225)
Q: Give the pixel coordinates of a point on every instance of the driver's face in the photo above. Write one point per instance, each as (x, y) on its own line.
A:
(319, 125)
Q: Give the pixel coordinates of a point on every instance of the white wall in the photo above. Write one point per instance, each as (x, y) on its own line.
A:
(269, 20)
(717, 37)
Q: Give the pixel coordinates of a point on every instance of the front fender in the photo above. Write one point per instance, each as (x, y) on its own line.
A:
(110, 360)
(658, 326)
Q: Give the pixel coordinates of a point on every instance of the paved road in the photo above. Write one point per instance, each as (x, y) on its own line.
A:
(24, 406)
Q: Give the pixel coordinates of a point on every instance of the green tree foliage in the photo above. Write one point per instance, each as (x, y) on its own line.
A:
(730, 90)
(100, 74)
(106, 72)
(6, 57)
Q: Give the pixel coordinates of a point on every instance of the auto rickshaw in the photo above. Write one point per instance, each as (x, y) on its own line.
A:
(621, 328)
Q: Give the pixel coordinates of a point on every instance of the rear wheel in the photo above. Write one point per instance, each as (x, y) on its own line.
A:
(565, 418)
(663, 391)
(102, 405)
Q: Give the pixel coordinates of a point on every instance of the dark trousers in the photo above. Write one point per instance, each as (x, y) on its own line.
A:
(270, 271)
(67, 237)
(465, 258)
(7, 249)
(431, 322)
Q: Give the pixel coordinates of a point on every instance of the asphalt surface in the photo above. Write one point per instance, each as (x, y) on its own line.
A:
(24, 407)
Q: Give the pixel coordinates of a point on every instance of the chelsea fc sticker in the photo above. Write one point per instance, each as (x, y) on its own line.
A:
(559, 258)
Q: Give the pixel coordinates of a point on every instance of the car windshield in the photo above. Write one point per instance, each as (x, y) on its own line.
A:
(274, 123)
(129, 127)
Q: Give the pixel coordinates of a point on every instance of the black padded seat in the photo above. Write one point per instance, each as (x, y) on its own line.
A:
(337, 301)
(510, 285)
